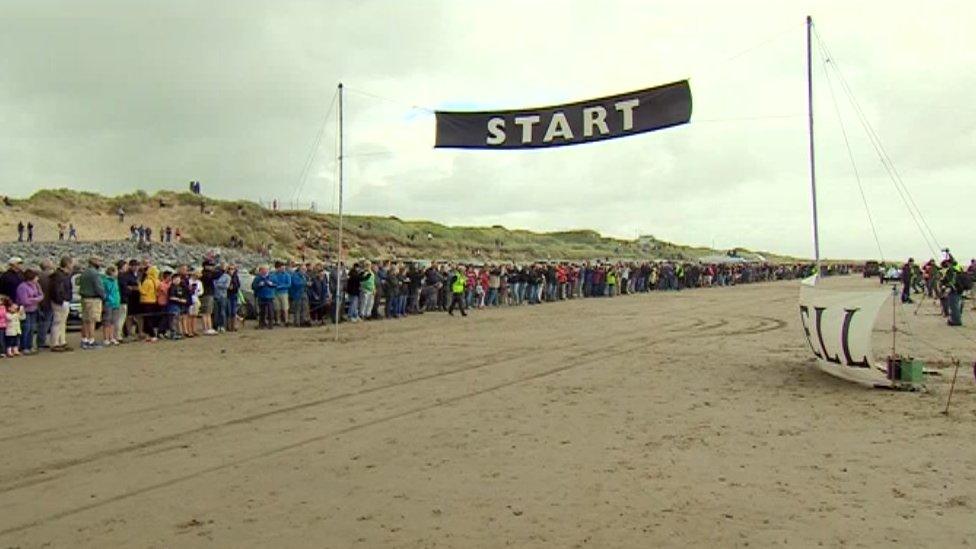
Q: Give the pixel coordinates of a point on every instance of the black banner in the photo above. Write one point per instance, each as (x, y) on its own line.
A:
(570, 124)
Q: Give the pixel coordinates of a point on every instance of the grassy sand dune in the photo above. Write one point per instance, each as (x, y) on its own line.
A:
(288, 232)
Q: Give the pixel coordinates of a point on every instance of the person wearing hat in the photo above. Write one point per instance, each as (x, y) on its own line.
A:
(92, 293)
(11, 278)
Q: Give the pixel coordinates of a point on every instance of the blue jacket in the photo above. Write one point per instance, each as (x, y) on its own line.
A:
(264, 287)
(297, 289)
(282, 281)
(318, 291)
(112, 297)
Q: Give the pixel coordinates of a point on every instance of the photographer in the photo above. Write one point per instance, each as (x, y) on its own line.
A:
(954, 282)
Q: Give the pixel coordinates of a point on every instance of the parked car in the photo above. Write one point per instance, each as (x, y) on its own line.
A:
(871, 268)
(250, 307)
(893, 274)
(74, 308)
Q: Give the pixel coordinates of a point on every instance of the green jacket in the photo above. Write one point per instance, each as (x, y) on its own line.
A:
(90, 284)
(368, 282)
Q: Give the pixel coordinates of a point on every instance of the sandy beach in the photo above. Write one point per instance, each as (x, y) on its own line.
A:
(666, 419)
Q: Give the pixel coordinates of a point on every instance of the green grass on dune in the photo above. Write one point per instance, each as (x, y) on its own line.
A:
(364, 236)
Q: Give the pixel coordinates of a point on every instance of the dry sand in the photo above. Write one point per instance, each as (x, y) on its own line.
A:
(685, 419)
(89, 225)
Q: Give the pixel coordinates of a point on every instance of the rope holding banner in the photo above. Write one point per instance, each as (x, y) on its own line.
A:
(952, 386)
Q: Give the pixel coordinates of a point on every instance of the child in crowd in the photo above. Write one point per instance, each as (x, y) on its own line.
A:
(196, 290)
(178, 297)
(111, 306)
(13, 315)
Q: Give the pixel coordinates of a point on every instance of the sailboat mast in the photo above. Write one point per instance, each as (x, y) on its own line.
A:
(813, 168)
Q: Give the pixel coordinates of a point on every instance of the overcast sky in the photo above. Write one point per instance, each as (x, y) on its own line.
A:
(142, 94)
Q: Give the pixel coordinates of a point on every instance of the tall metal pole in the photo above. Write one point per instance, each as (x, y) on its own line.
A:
(813, 169)
(339, 293)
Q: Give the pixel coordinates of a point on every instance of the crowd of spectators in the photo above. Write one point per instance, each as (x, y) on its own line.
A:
(135, 300)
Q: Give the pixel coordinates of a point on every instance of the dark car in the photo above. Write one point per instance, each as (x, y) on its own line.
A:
(872, 268)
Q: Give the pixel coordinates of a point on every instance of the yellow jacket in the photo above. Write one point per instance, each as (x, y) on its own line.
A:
(148, 287)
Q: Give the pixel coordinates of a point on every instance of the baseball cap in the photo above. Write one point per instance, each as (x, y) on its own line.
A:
(15, 260)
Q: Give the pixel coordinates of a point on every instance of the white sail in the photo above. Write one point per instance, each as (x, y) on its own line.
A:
(838, 325)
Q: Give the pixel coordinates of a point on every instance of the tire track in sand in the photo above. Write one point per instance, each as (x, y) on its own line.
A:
(42, 473)
(578, 360)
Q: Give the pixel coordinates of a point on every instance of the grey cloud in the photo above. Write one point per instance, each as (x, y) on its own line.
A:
(114, 95)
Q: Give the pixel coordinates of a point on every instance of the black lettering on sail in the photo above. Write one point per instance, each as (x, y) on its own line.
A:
(826, 355)
(844, 334)
(804, 316)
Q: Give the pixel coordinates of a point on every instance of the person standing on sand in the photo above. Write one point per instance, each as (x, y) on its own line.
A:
(129, 286)
(147, 302)
(221, 306)
(458, 282)
(298, 296)
(187, 307)
(233, 297)
(906, 280)
(207, 280)
(264, 292)
(316, 291)
(29, 297)
(44, 312)
(61, 293)
(121, 214)
(72, 233)
(20, 231)
(176, 301)
(111, 306)
(952, 284)
(92, 293)
(12, 327)
(353, 281)
(282, 283)
(367, 291)
(389, 289)
(30, 231)
(60, 231)
(611, 280)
